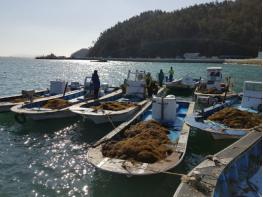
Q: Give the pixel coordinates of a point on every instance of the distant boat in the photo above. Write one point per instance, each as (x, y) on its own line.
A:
(234, 171)
(99, 60)
(169, 115)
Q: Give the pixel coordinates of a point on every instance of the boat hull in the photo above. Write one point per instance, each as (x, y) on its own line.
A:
(104, 118)
(210, 99)
(225, 170)
(35, 111)
(6, 107)
(218, 136)
(54, 115)
(6, 104)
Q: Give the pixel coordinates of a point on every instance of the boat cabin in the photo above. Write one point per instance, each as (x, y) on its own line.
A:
(136, 83)
(252, 95)
(214, 77)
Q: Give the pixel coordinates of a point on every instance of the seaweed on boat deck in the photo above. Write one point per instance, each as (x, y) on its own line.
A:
(209, 91)
(144, 142)
(56, 104)
(19, 100)
(113, 106)
(235, 118)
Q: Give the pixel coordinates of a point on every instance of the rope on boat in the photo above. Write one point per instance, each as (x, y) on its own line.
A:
(110, 120)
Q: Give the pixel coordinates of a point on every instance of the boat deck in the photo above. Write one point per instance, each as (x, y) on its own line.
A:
(137, 168)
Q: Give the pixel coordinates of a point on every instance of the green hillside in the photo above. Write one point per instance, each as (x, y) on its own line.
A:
(230, 28)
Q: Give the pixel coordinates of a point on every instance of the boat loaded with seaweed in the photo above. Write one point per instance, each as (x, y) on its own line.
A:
(117, 109)
(7, 102)
(214, 89)
(153, 141)
(56, 87)
(234, 171)
(231, 119)
(58, 106)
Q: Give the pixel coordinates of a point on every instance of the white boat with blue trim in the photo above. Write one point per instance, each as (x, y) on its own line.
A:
(168, 112)
(134, 99)
(39, 110)
(9, 101)
(56, 87)
(251, 102)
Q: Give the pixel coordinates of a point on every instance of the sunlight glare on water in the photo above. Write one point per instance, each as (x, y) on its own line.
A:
(48, 158)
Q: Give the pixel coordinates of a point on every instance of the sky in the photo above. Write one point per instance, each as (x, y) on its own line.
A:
(39, 27)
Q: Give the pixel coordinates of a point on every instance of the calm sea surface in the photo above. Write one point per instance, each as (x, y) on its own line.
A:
(47, 158)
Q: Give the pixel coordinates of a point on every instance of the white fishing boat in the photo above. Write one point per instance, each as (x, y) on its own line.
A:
(56, 87)
(108, 111)
(57, 106)
(184, 86)
(184, 82)
(234, 171)
(7, 102)
(166, 111)
(214, 89)
(251, 102)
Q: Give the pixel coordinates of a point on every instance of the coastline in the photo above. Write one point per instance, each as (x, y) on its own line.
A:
(244, 61)
(252, 61)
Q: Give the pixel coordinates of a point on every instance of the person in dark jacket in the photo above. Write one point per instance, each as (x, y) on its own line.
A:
(148, 80)
(161, 78)
(96, 83)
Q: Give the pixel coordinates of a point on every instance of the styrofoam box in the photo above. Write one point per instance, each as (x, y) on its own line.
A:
(57, 87)
(169, 108)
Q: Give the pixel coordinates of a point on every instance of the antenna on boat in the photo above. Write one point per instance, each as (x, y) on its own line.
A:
(227, 88)
(65, 89)
(162, 109)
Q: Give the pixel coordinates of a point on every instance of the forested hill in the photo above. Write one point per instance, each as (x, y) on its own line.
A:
(213, 29)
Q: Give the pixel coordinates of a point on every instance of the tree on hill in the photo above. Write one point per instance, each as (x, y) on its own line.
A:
(230, 28)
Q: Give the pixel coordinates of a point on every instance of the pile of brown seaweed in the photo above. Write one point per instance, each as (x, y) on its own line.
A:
(18, 100)
(113, 106)
(144, 142)
(235, 118)
(210, 91)
(56, 104)
(22, 99)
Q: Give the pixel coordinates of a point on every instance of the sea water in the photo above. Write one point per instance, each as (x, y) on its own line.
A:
(48, 158)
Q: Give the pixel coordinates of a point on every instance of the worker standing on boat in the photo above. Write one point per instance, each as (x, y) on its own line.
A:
(171, 74)
(148, 80)
(96, 83)
(161, 78)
